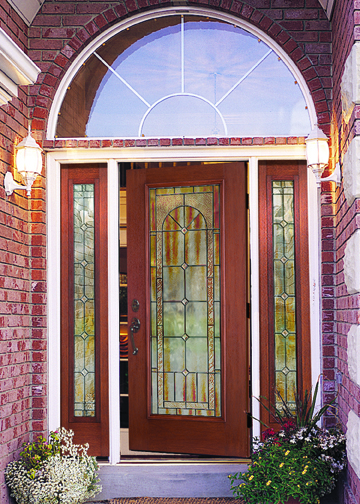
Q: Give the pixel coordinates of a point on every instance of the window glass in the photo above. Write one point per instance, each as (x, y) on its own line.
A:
(183, 76)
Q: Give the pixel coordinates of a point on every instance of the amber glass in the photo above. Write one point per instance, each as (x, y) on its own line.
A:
(84, 301)
(284, 289)
(185, 301)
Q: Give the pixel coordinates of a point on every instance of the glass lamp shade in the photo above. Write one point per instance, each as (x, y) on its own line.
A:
(28, 159)
(317, 152)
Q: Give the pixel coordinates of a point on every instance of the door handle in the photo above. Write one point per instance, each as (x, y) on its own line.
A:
(134, 327)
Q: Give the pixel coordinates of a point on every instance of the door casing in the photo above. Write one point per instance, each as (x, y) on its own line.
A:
(56, 158)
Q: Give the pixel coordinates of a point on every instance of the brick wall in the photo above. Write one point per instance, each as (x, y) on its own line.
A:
(62, 29)
(346, 221)
(22, 284)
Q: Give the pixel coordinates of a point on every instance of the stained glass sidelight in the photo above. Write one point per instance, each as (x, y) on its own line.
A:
(284, 289)
(185, 300)
(84, 301)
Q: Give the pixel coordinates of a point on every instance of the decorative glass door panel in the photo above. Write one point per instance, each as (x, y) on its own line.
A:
(187, 253)
(84, 311)
(84, 300)
(185, 301)
(284, 283)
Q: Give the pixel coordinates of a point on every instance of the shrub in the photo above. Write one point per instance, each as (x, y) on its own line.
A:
(57, 472)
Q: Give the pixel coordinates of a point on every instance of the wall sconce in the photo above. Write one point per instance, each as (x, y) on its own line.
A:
(28, 163)
(317, 155)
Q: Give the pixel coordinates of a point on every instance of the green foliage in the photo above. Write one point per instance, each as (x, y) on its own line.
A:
(57, 472)
(279, 471)
(304, 414)
(34, 454)
(301, 461)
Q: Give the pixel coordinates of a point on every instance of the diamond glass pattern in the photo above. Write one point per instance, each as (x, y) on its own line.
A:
(284, 289)
(185, 313)
(84, 300)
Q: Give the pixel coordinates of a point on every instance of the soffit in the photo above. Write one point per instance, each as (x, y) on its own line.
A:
(328, 6)
(27, 9)
(16, 68)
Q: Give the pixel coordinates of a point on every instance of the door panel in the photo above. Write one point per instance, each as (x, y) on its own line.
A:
(187, 267)
(285, 358)
(84, 313)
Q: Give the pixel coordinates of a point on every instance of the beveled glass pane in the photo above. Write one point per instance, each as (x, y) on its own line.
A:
(279, 351)
(154, 352)
(291, 352)
(217, 354)
(289, 275)
(191, 389)
(284, 289)
(195, 247)
(196, 319)
(169, 388)
(84, 300)
(173, 248)
(173, 284)
(174, 354)
(179, 387)
(174, 319)
(182, 285)
(196, 354)
(279, 280)
(196, 283)
(290, 314)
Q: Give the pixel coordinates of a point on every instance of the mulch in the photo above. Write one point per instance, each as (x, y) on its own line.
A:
(172, 500)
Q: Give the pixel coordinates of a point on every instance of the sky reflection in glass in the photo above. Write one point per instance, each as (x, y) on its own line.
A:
(175, 83)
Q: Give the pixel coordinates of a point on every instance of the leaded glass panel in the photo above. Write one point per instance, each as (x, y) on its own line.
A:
(284, 289)
(185, 325)
(84, 301)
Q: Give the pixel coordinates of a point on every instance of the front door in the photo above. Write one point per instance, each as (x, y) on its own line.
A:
(187, 297)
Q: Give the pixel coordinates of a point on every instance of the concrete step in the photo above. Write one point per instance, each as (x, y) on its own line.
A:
(166, 479)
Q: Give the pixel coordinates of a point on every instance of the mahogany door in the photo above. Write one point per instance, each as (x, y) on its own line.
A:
(84, 307)
(187, 270)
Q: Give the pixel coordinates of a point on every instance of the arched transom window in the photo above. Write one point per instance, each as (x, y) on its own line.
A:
(183, 75)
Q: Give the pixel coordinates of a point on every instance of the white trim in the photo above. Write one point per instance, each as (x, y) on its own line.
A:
(144, 16)
(53, 289)
(16, 67)
(254, 291)
(113, 304)
(315, 279)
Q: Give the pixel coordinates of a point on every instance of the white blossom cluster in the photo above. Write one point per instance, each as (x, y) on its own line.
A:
(329, 444)
(66, 478)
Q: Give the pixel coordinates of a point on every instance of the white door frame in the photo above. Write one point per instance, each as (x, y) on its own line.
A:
(111, 157)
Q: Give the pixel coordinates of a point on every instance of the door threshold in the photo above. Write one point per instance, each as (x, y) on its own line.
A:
(153, 461)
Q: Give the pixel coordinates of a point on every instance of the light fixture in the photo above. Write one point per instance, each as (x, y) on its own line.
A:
(28, 164)
(317, 155)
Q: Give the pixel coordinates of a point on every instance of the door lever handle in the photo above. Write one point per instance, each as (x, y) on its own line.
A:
(134, 327)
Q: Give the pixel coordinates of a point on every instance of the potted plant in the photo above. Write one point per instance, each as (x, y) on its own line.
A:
(299, 463)
(53, 472)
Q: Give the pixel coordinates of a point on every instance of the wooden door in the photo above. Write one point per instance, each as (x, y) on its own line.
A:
(84, 307)
(187, 268)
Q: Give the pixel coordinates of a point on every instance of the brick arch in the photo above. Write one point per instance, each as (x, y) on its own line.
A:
(59, 34)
